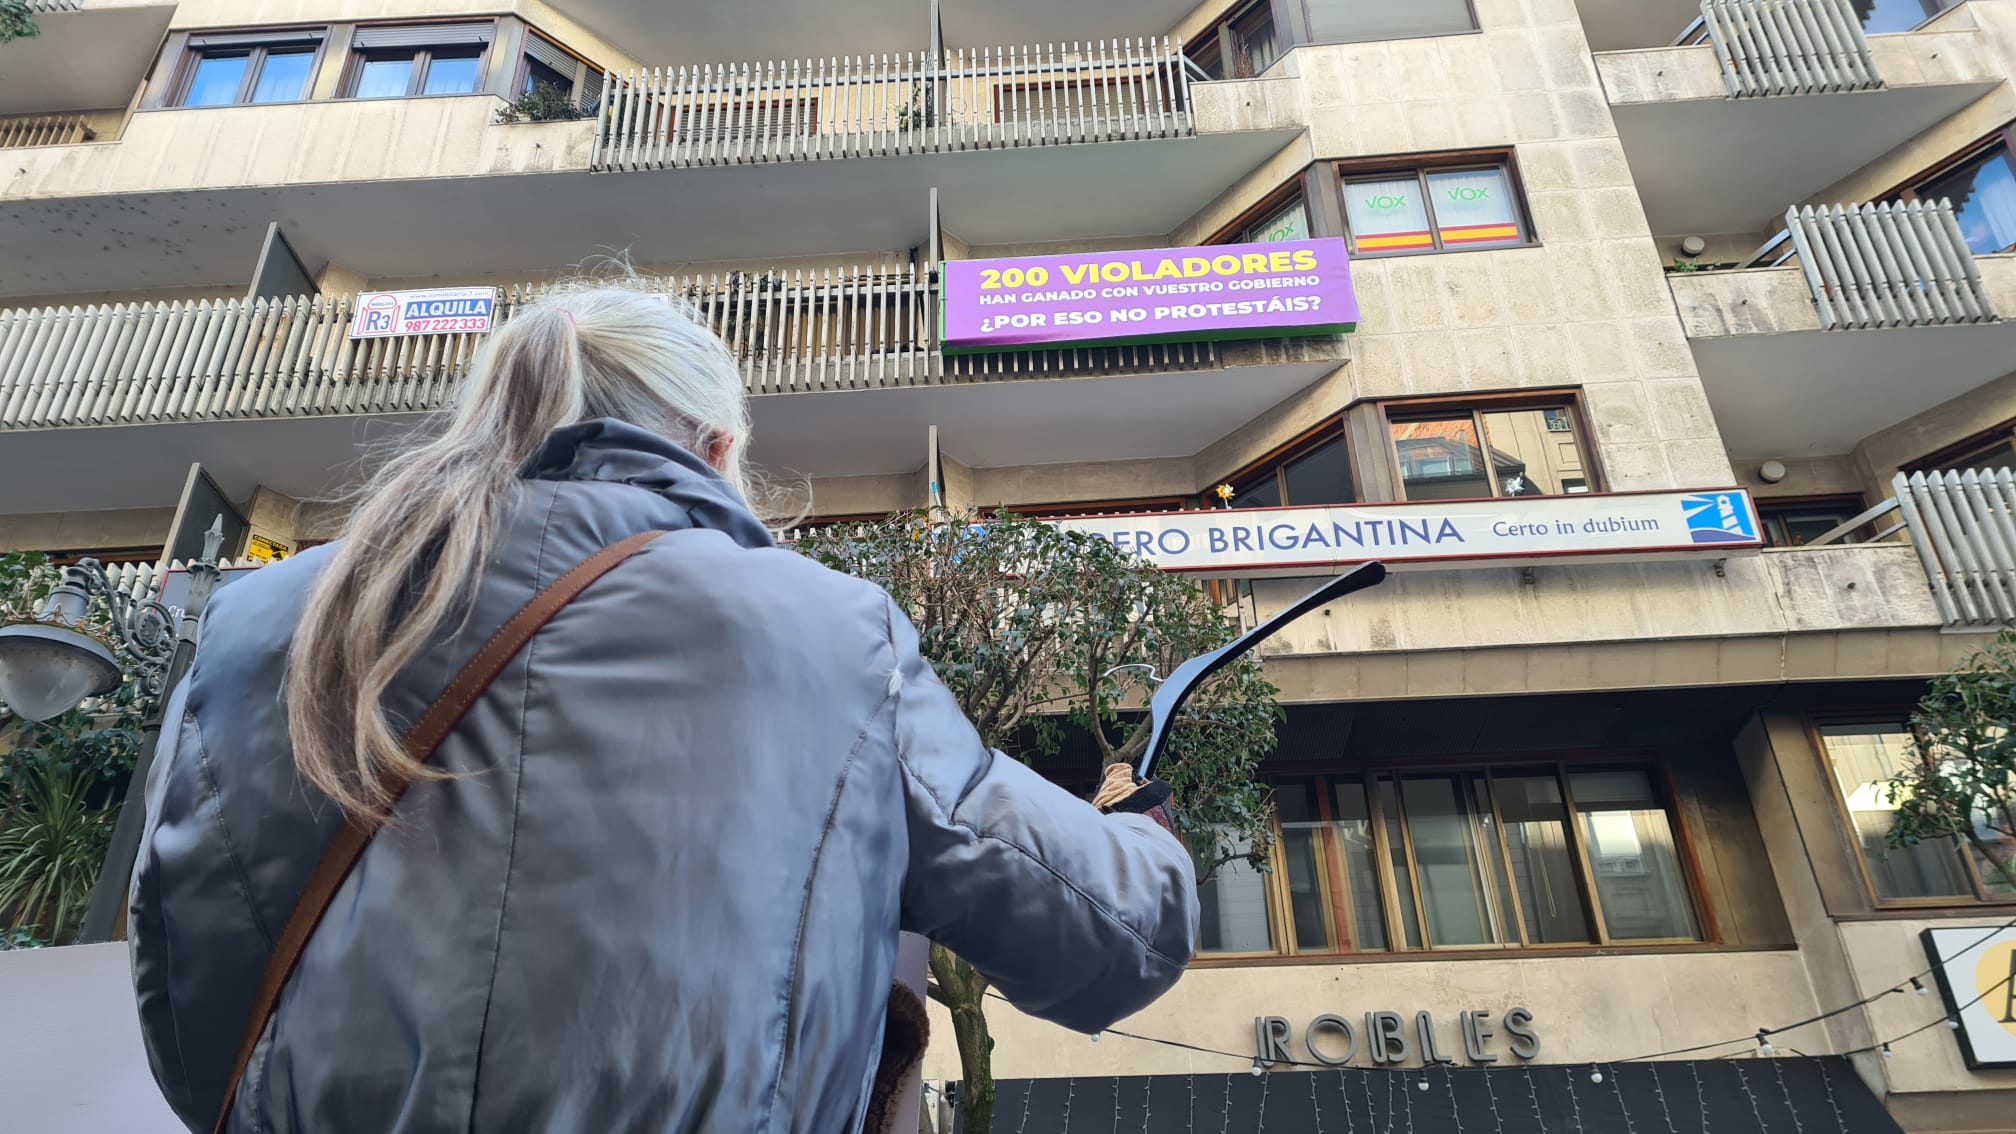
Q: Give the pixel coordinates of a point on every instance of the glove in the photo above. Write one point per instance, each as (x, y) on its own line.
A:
(1121, 791)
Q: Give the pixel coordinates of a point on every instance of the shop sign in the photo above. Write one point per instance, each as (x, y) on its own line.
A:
(1976, 968)
(1392, 1039)
(1501, 532)
(1223, 291)
(441, 310)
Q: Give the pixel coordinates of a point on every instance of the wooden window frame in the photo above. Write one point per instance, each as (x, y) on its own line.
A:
(1338, 904)
(1420, 166)
(1297, 447)
(1849, 502)
(1939, 458)
(1480, 404)
(1223, 38)
(1844, 822)
(423, 59)
(583, 67)
(257, 44)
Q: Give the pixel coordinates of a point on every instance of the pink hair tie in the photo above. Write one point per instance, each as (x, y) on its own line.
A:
(570, 317)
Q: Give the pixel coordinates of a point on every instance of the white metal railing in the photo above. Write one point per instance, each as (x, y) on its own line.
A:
(793, 110)
(143, 580)
(1782, 47)
(790, 332)
(1964, 526)
(1888, 265)
(43, 130)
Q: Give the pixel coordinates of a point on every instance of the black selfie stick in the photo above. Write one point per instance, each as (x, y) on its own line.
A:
(1177, 687)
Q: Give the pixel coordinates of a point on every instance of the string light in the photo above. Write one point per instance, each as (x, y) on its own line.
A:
(1918, 986)
(1095, 1037)
(1422, 1085)
(1953, 1023)
(1887, 1054)
(1257, 1069)
(1764, 1042)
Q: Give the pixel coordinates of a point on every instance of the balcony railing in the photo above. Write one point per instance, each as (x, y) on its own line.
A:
(1782, 47)
(1885, 265)
(44, 130)
(796, 332)
(796, 110)
(1964, 524)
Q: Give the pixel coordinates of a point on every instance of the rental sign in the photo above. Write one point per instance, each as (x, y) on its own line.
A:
(1224, 291)
(435, 311)
(1510, 531)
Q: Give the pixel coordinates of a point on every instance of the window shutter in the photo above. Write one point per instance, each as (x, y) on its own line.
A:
(423, 35)
(280, 38)
(591, 90)
(546, 51)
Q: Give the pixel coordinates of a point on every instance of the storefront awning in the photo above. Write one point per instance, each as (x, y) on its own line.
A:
(1723, 1096)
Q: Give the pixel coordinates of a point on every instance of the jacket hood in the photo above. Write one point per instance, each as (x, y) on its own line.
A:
(616, 452)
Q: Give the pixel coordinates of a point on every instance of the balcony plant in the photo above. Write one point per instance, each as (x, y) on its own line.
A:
(1046, 637)
(543, 103)
(726, 306)
(16, 21)
(60, 783)
(921, 112)
(1961, 784)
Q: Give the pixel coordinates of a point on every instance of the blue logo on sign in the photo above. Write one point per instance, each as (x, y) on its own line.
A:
(377, 315)
(1719, 517)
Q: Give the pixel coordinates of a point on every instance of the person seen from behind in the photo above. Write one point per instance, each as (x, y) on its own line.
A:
(652, 875)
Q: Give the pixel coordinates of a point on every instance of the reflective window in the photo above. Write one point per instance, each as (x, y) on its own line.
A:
(1983, 192)
(285, 75)
(217, 80)
(452, 74)
(385, 78)
(1357, 21)
(1319, 472)
(1512, 857)
(1423, 210)
(1864, 758)
(1473, 453)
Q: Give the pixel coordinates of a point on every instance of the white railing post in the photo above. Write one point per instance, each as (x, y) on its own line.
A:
(1887, 265)
(1784, 47)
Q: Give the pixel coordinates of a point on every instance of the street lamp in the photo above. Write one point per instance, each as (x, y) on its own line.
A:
(50, 665)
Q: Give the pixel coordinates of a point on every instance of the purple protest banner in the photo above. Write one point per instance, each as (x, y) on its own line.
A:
(1223, 291)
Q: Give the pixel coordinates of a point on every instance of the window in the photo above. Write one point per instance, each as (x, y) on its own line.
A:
(1984, 452)
(1879, 16)
(546, 62)
(1863, 757)
(1509, 857)
(1494, 449)
(1240, 46)
(1097, 508)
(1358, 21)
(231, 70)
(1982, 187)
(1316, 470)
(1289, 221)
(418, 59)
(1432, 210)
(1796, 523)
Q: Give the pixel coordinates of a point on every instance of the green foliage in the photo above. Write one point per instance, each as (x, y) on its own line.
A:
(60, 781)
(921, 112)
(51, 849)
(16, 22)
(543, 103)
(1962, 783)
(1026, 622)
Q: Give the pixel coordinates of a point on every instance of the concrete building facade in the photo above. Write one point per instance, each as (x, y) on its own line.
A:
(1606, 255)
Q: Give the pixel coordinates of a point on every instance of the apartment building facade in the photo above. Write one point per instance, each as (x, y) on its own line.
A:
(1658, 311)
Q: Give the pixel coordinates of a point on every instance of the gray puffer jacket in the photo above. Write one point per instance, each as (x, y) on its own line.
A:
(663, 891)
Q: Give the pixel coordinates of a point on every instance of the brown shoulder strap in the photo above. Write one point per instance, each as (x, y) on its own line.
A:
(434, 726)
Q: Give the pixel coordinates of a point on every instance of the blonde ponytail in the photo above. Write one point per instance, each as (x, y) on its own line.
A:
(414, 549)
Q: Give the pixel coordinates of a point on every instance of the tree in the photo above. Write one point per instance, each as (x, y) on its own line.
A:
(61, 781)
(16, 21)
(1045, 636)
(1961, 783)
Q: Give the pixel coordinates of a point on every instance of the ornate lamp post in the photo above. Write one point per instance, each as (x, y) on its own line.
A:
(50, 665)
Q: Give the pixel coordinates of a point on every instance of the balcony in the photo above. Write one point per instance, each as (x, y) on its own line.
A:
(843, 367)
(1858, 319)
(716, 163)
(1775, 100)
(42, 76)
